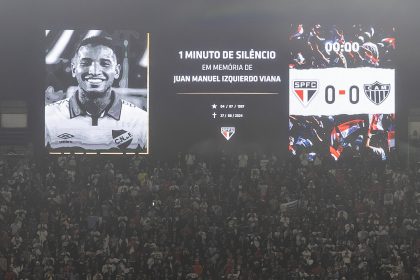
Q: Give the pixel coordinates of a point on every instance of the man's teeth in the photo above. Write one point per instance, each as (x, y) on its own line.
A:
(92, 80)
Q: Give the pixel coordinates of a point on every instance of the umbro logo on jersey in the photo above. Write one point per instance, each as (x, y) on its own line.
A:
(122, 138)
(65, 136)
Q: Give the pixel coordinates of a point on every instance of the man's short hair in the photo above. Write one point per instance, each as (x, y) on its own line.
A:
(99, 41)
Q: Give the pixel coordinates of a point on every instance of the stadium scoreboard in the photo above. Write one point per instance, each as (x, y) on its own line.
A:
(335, 84)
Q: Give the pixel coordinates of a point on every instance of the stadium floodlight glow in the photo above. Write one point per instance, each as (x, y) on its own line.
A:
(59, 47)
(92, 33)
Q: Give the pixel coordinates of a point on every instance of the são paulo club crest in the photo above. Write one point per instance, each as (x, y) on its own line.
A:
(377, 92)
(305, 90)
(227, 132)
(122, 138)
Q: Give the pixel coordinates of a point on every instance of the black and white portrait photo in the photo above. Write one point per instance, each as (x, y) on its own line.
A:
(96, 96)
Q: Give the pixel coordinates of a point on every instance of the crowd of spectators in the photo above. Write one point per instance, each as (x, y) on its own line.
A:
(246, 216)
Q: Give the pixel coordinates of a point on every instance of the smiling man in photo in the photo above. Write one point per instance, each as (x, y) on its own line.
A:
(95, 117)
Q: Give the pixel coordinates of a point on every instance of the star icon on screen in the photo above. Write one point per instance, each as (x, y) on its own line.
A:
(214, 106)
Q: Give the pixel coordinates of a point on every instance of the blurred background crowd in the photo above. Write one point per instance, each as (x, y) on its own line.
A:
(242, 216)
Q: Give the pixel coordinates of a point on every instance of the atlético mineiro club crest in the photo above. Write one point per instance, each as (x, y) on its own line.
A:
(377, 92)
(227, 132)
(305, 90)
